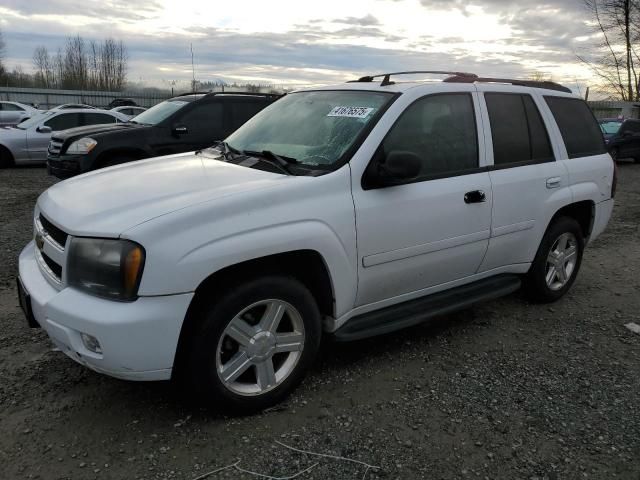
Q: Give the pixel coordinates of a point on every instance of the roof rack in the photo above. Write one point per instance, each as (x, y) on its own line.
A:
(462, 77)
(387, 76)
(254, 94)
(522, 83)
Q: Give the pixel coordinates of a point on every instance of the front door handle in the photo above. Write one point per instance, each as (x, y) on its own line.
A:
(554, 182)
(475, 196)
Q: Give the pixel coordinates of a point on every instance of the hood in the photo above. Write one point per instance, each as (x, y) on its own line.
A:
(109, 201)
(88, 130)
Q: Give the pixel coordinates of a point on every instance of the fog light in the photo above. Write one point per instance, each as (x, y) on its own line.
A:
(91, 343)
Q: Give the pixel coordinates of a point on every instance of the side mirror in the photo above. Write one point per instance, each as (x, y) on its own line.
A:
(397, 167)
(179, 130)
(43, 129)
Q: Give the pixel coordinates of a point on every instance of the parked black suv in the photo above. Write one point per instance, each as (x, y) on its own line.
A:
(622, 137)
(180, 124)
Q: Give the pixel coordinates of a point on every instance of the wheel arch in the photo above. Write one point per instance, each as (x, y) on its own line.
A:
(582, 211)
(307, 266)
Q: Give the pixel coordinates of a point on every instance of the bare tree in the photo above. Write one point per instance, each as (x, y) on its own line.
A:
(2, 53)
(44, 65)
(614, 58)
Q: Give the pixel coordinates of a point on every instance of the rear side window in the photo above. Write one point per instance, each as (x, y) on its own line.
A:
(204, 119)
(10, 107)
(578, 126)
(517, 130)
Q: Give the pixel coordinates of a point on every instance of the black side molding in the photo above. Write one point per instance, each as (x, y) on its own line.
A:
(414, 312)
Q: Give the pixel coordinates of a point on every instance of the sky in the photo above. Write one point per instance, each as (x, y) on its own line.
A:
(298, 42)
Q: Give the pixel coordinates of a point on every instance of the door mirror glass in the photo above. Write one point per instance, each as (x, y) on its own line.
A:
(179, 129)
(43, 129)
(397, 167)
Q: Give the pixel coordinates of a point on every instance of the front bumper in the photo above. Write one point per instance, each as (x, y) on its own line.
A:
(138, 339)
(64, 166)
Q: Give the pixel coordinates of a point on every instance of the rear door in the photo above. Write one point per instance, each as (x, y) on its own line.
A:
(435, 228)
(528, 184)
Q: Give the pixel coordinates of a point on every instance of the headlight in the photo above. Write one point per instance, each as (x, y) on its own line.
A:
(106, 268)
(82, 146)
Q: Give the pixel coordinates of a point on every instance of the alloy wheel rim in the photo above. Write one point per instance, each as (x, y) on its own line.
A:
(260, 347)
(561, 261)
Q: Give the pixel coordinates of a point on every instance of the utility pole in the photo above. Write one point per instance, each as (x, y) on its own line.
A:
(193, 71)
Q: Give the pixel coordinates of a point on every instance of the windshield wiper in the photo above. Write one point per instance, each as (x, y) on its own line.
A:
(281, 162)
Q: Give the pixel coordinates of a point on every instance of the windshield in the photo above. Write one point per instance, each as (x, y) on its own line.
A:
(35, 120)
(159, 112)
(610, 127)
(315, 128)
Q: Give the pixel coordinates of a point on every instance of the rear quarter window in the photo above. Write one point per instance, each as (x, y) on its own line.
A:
(580, 131)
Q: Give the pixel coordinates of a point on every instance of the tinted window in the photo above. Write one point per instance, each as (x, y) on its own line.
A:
(633, 127)
(517, 130)
(64, 121)
(203, 118)
(96, 118)
(578, 126)
(243, 111)
(10, 107)
(441, 130)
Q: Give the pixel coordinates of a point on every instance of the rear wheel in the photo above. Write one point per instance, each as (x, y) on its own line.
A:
(254, 344)
(6, 159)
(557, 262)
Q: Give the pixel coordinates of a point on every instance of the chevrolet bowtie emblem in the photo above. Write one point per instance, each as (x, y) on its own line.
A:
(39, 240)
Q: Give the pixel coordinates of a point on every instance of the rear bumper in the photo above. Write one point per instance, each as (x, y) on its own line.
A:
(601, 218)
(138, 339)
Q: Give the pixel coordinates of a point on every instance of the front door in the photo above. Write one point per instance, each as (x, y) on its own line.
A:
(435, 228)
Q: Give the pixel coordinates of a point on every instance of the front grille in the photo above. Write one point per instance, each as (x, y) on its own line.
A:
(54, 232)
(53, 266)
(55, 145)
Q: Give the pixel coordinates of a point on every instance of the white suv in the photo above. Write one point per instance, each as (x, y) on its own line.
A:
(351, 211)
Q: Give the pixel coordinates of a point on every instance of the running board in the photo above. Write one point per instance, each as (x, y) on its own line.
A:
(414, 312)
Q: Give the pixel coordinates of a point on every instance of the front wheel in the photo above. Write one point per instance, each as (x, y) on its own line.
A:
(254, 344)
(557, 262)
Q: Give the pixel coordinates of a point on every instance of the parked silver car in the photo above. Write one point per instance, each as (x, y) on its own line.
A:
(129, 111)
(12, 113)
(27, 142)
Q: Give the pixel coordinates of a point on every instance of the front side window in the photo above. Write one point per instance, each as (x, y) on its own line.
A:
(98, 118)
(517, 130)
(10, 107)
(35, 120)
(64, 121)
(316, 128)
(202, 118)
(441, 130)
(578, 126)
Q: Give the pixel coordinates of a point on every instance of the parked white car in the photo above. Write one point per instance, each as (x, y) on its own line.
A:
(130, 112)
(350, 211)
(12, 113)
(27, 142)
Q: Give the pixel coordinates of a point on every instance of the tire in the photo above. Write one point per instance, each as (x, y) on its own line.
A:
(6, 159)
(243, 348)
(545, 282)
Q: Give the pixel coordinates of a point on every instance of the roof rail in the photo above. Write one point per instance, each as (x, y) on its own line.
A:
(462, 77)
(387, 76)
(254, 94)
(523, 83)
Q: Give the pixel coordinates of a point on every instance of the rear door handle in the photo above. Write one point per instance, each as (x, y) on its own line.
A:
(554, 182)
(475, 196)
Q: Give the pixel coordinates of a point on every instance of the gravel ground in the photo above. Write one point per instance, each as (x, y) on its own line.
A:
(506, 390)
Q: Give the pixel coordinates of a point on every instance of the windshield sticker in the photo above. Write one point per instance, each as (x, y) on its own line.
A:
(350, 112)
